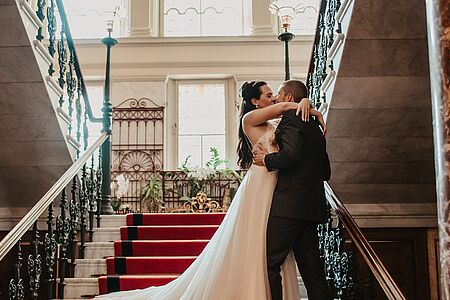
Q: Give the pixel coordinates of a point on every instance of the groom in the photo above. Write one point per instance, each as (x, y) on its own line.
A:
(298, 204)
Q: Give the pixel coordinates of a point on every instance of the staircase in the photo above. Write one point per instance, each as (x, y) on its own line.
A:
(379, 136)
(140, 250)
(32, 123)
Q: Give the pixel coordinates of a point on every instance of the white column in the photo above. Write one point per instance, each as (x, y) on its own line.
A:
(263, 22)
(140, 14)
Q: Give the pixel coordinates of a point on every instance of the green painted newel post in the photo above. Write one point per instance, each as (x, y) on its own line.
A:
(106, 208)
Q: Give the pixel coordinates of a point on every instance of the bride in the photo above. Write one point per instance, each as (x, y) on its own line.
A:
(233, 264)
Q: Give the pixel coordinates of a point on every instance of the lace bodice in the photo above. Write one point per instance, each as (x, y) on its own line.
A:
(267, 140)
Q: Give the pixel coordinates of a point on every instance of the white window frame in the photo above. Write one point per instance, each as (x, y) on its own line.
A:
(171, 118)
(120, 30)
(159, 16)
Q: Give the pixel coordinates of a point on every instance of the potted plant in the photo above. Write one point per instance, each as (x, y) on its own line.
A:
(151, 195)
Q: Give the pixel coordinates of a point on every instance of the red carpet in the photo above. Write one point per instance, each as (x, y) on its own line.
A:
(156, 248)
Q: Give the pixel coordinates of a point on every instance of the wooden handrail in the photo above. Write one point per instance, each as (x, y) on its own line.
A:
(380, 272)
(39, 208)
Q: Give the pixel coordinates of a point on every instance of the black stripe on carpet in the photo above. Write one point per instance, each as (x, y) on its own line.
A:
(113, 283)
(127, 248)
(120, 265)
(138, 219)
(132, 232)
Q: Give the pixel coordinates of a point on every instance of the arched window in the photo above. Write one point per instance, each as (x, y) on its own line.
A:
(305, 20)
(202, 17)
(87, 17)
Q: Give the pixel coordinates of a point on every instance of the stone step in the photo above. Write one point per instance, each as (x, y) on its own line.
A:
(99, 250)
(112, 221)
(77, 288)
(90, 268)
(106, 234)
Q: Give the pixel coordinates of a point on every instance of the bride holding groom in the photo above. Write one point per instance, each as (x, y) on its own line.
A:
(271, 224)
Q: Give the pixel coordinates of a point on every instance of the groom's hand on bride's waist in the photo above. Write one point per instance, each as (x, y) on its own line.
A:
(259, 152)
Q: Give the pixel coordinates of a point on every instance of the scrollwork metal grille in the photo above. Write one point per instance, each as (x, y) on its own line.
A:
(137, 145)
(35, 264)
(326, 28)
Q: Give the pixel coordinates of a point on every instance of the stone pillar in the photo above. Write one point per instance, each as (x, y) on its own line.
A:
(438, 22)
(140, 15)
(263, 22)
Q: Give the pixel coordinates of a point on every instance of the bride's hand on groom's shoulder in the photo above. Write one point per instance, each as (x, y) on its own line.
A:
(304, 107)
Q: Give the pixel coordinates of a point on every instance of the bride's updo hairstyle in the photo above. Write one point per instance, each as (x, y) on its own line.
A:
(248, 91)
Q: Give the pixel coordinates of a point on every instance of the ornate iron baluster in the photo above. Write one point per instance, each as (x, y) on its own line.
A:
(50, 252)
(83, 208)
(340, 264)
(336, 260)
(35, 264)
(40, 14)
(79, 109)
(51, 27)
(71, 87)
(16, 290)
(98, 187)
(91, 189)
(85, 130)
(63, 229)
(73, 211)
(62, 62)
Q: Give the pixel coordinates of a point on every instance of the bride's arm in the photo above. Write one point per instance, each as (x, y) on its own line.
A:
(259, 116)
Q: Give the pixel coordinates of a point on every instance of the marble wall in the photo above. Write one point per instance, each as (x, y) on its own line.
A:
(380, 125)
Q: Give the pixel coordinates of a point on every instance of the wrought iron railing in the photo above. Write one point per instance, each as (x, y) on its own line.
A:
(78, 191)
(76, 198)
(320, 64)
(176, 187)
(340, 262)
(379, 271)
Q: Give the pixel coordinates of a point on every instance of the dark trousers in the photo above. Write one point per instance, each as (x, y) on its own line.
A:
(284, 235)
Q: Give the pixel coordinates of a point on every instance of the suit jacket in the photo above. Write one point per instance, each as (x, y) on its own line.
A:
(303, 166)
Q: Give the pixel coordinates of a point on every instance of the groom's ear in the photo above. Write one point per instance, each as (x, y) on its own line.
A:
(254, 102)
(290, 98)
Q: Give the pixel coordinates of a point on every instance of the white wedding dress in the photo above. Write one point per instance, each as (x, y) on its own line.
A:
(233, 264)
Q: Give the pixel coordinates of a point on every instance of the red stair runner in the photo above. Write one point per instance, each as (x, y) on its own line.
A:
(156, 248)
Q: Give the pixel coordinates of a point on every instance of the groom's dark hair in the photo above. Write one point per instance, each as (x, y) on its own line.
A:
(296, 88)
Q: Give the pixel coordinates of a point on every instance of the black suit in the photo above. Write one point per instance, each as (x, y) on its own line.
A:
(298, 203)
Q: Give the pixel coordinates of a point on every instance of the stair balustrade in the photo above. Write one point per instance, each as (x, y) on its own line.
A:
(340, 264)
(78, 192)
(76, 197)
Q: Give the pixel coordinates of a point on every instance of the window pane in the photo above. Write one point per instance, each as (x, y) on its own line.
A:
(201, 108)
(203, 18)
(198, 148)
(87, 18)
(201, 122)
(189, 146)
(305, 20)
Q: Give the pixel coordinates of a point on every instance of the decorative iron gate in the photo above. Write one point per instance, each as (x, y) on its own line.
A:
(136, 146)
